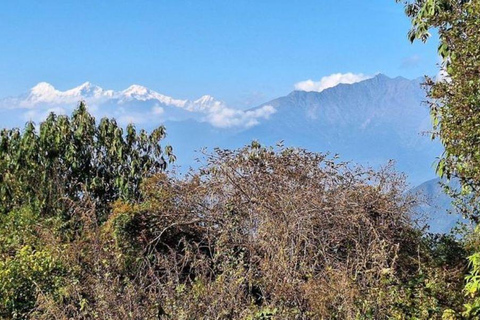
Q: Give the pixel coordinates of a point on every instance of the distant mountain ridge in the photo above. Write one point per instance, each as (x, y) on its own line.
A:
(436, 209)
(368, 122)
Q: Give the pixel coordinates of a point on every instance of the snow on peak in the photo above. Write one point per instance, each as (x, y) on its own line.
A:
(42, 92)
(141, 93)
(44, 97)
(45, 93)
(85, 90)
(204, 99)
(205, 104)
(136, 103)
(136, 90)
(41, 88)
(86, 85)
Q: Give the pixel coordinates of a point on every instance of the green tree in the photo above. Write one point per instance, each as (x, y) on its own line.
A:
(455, 108)
(57, 184)
(455, 99)
(70, 158)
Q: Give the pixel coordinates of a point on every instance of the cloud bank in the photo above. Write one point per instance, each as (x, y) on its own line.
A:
(330, 81)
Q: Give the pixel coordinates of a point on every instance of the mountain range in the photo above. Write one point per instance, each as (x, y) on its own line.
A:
(368, 122)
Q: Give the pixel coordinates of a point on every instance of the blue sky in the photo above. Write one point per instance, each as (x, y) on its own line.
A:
(243, 52)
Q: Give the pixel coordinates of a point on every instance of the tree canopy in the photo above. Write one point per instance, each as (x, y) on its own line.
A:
(454, 97)
(454, 100)
(68, 158)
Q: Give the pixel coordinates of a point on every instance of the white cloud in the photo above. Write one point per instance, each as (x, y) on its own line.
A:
(219, 115)
(227, 117)
(157, 110)
(330, 81)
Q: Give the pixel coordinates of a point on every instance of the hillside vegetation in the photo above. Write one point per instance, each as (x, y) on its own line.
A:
(93, 226)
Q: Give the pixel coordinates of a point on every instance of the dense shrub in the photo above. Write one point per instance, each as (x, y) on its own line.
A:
(261, 233)
(29, 264)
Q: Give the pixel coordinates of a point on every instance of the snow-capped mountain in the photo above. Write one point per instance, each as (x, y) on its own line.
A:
(45, 93)
(368, 122)
(141, 93)
(135, 104)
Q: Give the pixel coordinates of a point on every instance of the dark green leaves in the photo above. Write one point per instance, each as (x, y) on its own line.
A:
(69, 158)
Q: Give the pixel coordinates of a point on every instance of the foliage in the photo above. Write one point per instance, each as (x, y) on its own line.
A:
(287, 234)
(28, 266)
(454, 101)
(47, 177)
(70, 157)
(454, 104)
(257, 233)
(23, 276)
(427, 14)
